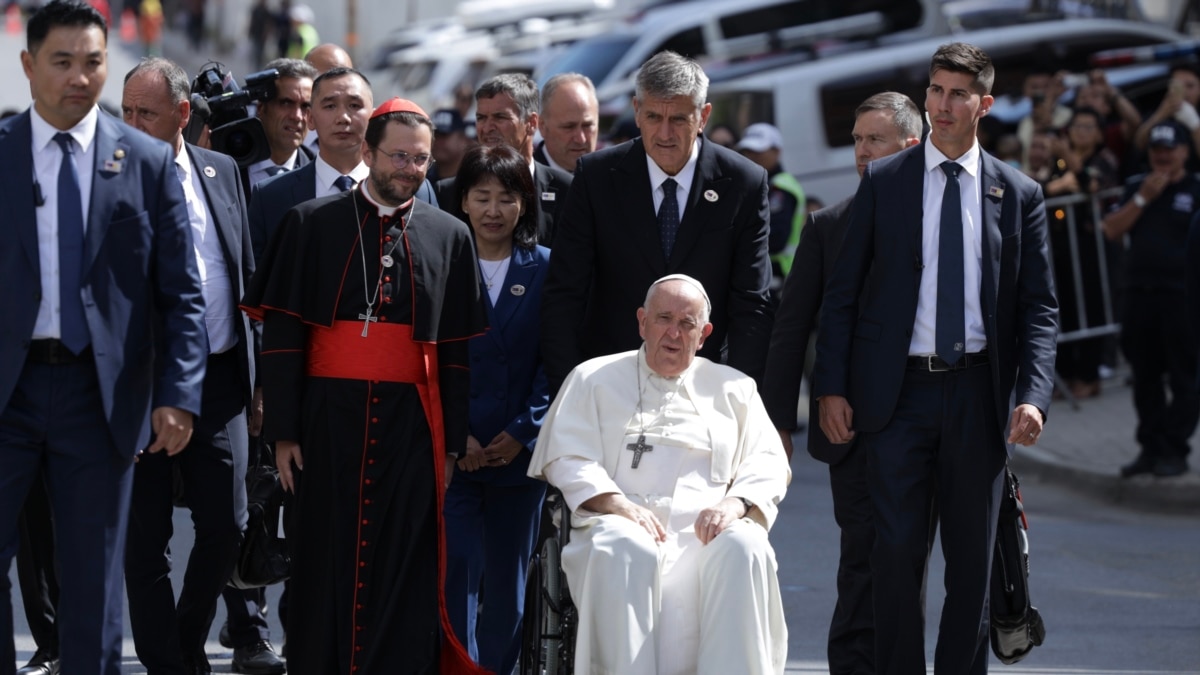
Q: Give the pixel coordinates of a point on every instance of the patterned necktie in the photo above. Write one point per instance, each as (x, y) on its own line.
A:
(343, 183)
(950, 329)
(668, 217)
(73, 323)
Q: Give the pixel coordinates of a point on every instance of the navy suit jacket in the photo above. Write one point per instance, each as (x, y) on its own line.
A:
(508, 385)
(863, 343)
(550, 186)
(796, 321)
(607, 252)
(271, 199)
(140, 283)
(227, 211)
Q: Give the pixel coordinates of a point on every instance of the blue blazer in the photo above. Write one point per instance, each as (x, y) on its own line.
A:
(227, 209)
(508, 387)
(862, 344)
(271, 199)
(141, 286)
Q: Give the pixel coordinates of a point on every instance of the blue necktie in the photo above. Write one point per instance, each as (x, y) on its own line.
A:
(950, 329)
(668, 217)
(343, 183)
(273, 171)
(72, 322)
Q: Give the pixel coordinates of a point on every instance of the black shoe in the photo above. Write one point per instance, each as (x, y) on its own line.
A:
(41, 664)
(257, 659)
(1166, 467)
(1143, 464)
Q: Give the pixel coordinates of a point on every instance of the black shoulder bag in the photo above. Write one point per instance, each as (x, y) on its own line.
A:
(264, 558)
(1016, 624)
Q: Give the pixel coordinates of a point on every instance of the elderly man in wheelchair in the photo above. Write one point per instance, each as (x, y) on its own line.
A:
(673, 473)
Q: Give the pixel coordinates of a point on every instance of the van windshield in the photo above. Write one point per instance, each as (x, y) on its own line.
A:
(594, 57)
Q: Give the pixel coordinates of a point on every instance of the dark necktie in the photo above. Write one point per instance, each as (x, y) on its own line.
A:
(950, 328)
(343, 183)
(72, 322)
(273, 171)
(668, 217)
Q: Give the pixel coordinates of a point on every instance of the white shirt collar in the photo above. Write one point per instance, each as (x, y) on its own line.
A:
(326, 174)
(969, 160)
(267, 163)
(183, 161)
(683, 178)
(43, 132)
(384, 211)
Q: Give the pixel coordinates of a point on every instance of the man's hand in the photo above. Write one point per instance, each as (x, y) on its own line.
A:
(1153, 186)
(449, 473)
(618, 505)
(837, 419)
(172, 429)
(785, 436)
(713, 520)
(502, 450)
(254, 424)
(287, 453)
(475, 458)
(1026, 425)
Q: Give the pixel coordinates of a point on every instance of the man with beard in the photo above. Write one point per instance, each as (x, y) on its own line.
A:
(367, 299)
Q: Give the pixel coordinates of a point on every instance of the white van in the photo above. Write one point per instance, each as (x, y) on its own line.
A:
(813, 101)
(717, 30)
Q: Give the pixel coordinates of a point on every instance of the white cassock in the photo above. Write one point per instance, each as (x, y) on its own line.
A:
(680, 606)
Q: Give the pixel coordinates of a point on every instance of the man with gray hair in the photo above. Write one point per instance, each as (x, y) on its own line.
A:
(884, 124)
(570, 121)
(506, 112)
(170, 637)
(673, 474)
(668, 202)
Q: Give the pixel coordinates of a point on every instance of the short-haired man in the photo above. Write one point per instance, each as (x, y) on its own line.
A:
(103, 349)
(167, 635)
(673, 474)
(668, 202)
(324, 58)
(762, 144)
(1161, 349)
(365, 376)
(884, 124)
(940, 313)
(570, 121)
(450, 143)
(285, 122)
(506, 111)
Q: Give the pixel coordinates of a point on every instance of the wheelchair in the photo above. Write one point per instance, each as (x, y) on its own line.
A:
(548, 629)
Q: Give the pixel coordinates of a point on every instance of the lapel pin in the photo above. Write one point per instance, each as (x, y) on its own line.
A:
(548, 196)
(209, 171)
(517, 290)
(119, 154)
(711, 195)
(111, 166)
(996, 191)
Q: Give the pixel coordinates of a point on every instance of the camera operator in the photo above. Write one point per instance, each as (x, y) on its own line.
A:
(285, 120)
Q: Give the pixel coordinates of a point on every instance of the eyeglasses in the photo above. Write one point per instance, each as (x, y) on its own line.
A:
(402, 159)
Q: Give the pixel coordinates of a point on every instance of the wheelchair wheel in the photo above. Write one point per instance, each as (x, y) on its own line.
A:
(547, 640)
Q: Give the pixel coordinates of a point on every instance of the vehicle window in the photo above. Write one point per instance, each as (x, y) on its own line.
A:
(900, 15)
(594, 57)
(839, 100)
(689, 43)
(740, 109)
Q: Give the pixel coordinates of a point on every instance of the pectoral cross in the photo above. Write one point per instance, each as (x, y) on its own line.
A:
(638, 448)
(367, 320)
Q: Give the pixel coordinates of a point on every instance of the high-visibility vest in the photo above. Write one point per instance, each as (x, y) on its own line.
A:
(788, 183)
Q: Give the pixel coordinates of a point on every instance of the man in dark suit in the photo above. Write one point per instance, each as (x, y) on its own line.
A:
(569, 121)
(168, 637)
(711, 224)
(342, 105)
(939, 313)
(103, 321)
(506, 111)
(285, 123)
(883, 125)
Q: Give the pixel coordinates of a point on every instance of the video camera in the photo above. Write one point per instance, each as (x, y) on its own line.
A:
(218, 101)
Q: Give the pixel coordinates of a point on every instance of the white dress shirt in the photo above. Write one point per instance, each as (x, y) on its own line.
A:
(260, 171)
(326, 175)
(47, 158)
(683, 180)
(219, 309)
(925, 327)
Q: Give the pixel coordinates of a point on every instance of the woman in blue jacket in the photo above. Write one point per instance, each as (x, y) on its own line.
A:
(492, 508)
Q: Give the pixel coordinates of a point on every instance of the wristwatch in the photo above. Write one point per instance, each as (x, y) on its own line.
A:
(748, 504)
(1139, 200)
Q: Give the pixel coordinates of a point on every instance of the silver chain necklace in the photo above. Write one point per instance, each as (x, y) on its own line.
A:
(641, 446)
(503, 266)
(385, 260)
